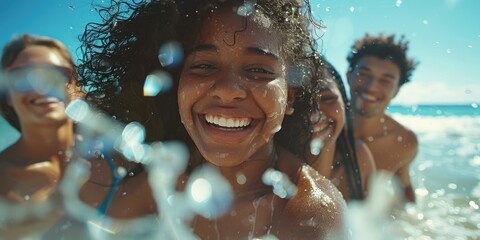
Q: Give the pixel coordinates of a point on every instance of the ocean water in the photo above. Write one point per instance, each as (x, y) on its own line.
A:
(445, 175)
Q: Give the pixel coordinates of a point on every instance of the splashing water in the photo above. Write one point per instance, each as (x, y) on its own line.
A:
(209, 194)
(282, 186)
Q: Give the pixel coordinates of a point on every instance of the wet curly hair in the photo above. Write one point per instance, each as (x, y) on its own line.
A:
(384, 47)
(122, 49)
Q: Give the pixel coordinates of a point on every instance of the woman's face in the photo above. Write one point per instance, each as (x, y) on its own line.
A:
(332, 110)
(233, 93)
(37, 82)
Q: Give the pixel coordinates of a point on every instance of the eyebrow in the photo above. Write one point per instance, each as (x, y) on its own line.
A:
(387, 75)
(261, 52)
(204, 48)
(250, 50)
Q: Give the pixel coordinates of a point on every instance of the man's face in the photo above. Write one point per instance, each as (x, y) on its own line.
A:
(373, 83)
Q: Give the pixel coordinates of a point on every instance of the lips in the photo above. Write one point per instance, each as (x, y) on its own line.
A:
(45, 102)
(228, 123)
(368, 97)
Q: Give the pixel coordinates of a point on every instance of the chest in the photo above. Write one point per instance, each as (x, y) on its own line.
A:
(33, 183)
(245, 220)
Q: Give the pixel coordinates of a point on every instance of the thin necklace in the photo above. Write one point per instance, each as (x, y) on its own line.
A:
(116, 177)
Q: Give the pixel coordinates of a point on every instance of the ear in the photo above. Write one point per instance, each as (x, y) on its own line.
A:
(290, 101)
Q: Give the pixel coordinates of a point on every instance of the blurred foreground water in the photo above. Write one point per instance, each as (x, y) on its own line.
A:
(445, 175)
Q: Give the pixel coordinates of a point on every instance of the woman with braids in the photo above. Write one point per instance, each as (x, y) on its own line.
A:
(328, 145)
(233, 93)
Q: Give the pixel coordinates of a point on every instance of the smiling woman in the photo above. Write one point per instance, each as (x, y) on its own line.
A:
(232, 91)
(39, 78)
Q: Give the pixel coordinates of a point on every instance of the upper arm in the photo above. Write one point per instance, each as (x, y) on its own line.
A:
(366, 163)
(403, 172)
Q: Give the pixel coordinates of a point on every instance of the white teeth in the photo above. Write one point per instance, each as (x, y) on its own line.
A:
(46, 100)
(369, 97)
(228, 122)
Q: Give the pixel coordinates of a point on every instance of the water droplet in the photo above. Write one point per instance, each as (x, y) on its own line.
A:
(370, 139)
(170, 54)
(399, 138)
(473, 205)
(26, 197)
(327, 9)
(474, 105)
(134, 132)
(316, 146)
(201, 190)
(277, 129)
(352, 9)
(77, 110)
(470, 46)
(452, 186)
(398, 3)
(241, 179)
(246, 9)
(157, 82)
(425, 22)
(209, 194)
(449, 50)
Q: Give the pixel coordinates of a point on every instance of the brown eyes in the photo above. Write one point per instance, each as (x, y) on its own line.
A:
(251, 72)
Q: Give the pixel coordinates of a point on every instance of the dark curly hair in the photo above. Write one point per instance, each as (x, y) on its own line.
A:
(120, 51)
(384, 47)
(11, 51)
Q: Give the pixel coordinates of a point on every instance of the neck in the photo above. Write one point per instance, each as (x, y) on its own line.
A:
(247, 177)
(46, 142)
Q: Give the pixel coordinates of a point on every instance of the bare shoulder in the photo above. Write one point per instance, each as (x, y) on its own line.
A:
(406, 137)
(316, 211)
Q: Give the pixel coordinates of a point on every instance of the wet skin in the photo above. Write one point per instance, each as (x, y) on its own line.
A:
(232, 98)
(373, 84)
(328, 129)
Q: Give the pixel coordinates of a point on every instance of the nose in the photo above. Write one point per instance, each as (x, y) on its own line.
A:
(367, 83)
(229, 87)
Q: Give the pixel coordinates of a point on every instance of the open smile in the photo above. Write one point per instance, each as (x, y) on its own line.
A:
(228, 123)
(227, 128)
(46, 101)
(368, 97)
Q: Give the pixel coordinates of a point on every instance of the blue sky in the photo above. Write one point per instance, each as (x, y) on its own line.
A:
(444, 36)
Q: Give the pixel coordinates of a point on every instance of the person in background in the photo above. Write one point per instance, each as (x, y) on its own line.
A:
(39, 80)
(378, 67)
(328, 144)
